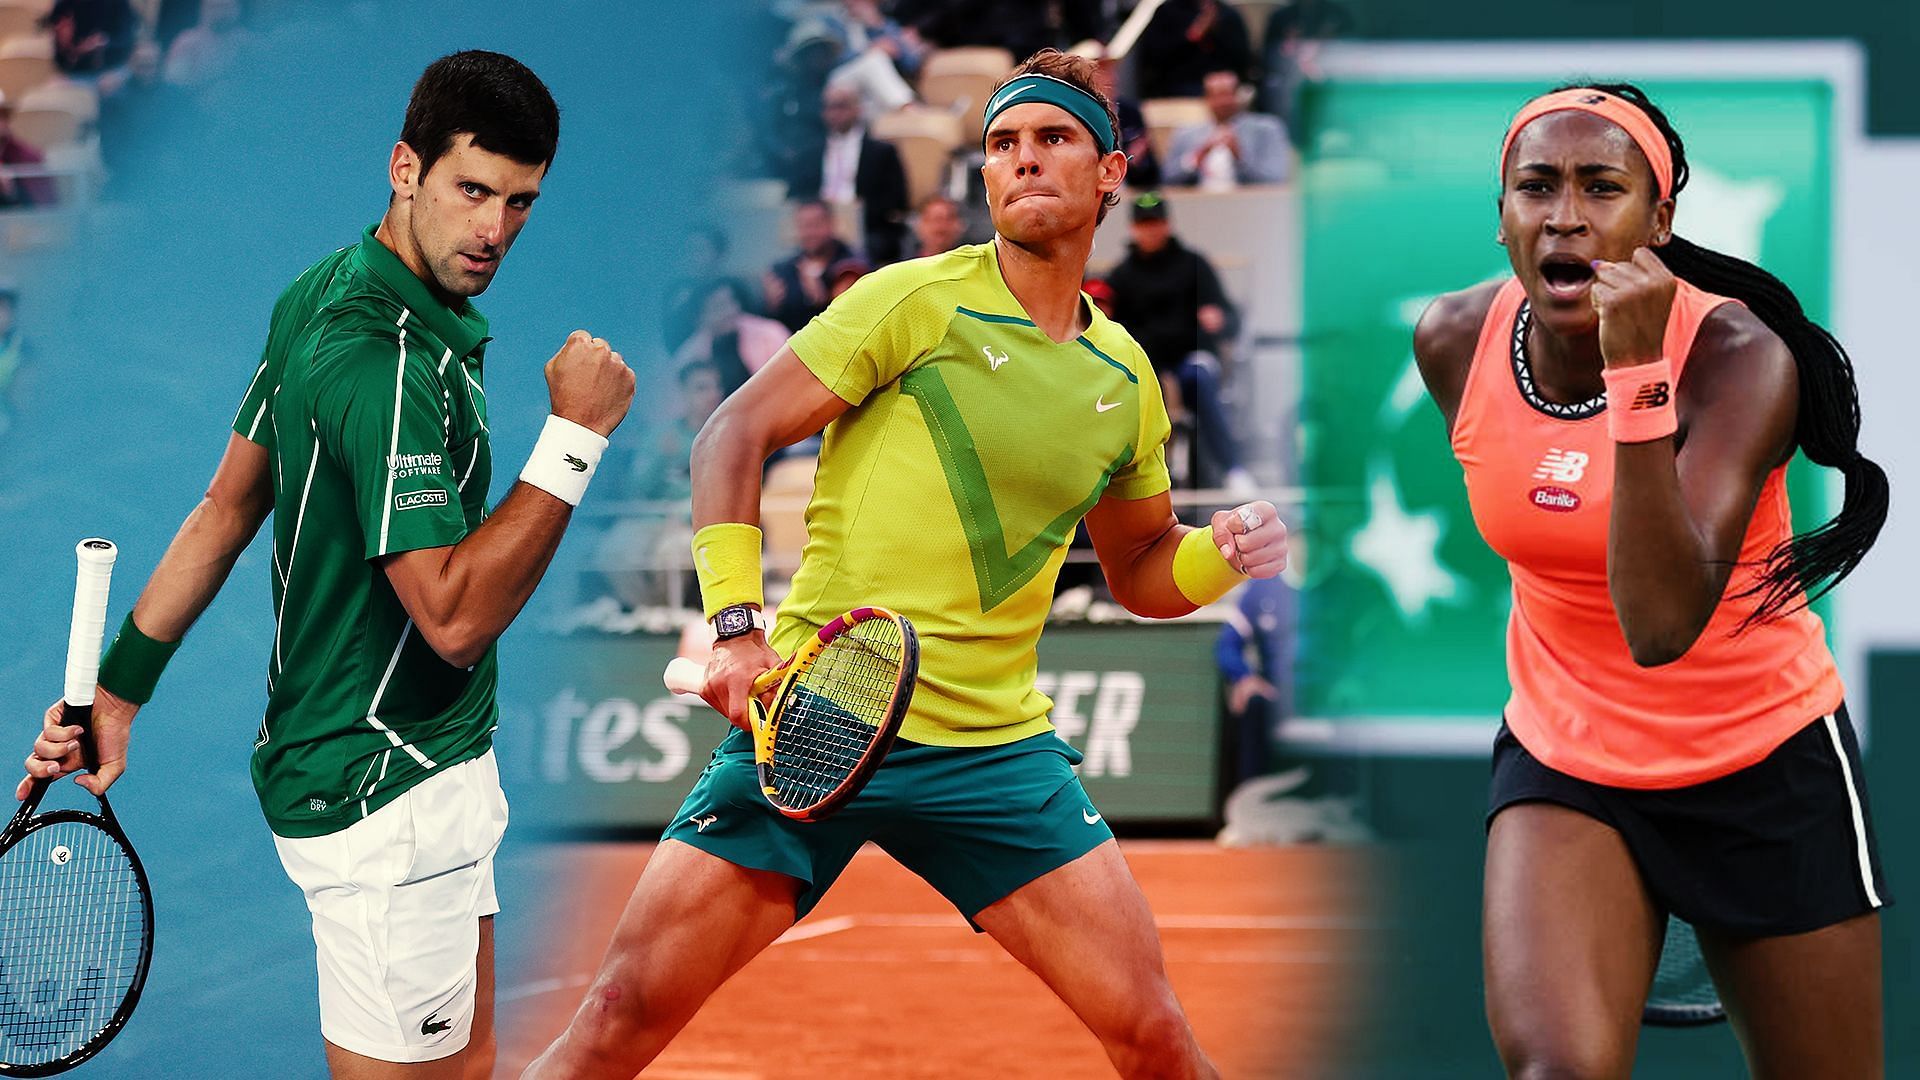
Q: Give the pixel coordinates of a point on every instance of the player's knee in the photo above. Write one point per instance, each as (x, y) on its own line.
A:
(1154, 1042)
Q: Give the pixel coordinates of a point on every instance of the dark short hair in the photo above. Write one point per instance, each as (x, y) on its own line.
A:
(489, 95)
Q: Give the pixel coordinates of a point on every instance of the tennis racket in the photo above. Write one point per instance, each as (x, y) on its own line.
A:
(1683, 993)
(76, 917)
(837, 705)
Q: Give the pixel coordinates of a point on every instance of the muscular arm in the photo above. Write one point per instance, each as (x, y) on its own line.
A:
(1136, 539)
(463, 597)
(1444, 340)
(781, 404)
(209, 542)
(1682, 505)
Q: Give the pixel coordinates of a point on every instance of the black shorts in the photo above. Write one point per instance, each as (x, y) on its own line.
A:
(1782, 846)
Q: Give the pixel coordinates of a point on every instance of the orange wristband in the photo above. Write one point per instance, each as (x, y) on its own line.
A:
(1640, 402)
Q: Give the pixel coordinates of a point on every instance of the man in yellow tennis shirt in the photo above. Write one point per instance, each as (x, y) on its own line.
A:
(976, 409)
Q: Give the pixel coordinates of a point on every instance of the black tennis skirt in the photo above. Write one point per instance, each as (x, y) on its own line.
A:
(1782, 846)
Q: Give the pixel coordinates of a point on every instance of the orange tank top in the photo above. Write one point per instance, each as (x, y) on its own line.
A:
(1540, 480)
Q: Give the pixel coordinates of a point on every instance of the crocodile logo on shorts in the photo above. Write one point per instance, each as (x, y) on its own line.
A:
(576, 464)
(431, 1026)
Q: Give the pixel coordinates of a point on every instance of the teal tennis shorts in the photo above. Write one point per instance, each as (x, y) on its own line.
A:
(975, 822)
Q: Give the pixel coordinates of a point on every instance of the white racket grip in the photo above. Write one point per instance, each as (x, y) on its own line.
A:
(683, 676)
(89, 627)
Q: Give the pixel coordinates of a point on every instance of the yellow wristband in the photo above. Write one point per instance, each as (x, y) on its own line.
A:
(726, 557)
(1200, 572)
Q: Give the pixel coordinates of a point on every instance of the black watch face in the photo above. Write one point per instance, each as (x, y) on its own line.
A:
(733, 621)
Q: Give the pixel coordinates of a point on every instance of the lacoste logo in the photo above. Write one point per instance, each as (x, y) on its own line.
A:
(576, 464)
(1090, 816)
(430, 1027)
(1651, 396)
(1101, 404)
(408, 500)
(1562, 466)
(993, 362)
(700, 823)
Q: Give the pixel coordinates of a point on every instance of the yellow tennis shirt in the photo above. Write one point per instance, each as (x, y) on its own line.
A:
(950, 490)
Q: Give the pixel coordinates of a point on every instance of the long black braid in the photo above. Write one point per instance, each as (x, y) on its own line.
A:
(1827, 429)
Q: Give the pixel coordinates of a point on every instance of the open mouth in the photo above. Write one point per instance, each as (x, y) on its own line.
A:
(1565, 276)
(477, 264)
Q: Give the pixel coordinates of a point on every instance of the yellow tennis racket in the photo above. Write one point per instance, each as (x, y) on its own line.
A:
(838, 703)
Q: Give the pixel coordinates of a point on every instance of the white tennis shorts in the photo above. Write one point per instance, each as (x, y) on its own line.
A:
(396, 900)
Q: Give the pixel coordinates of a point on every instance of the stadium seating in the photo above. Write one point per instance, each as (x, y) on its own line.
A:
(77, 98)
(25, 62)
(926, 139)
(18, 19)
(960, 80)
(48, 128)
(1164, 116)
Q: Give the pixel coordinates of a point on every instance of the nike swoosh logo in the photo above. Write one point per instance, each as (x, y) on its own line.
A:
(704, 564)
(1018, 92)
(1090, 816)
(1101, 404)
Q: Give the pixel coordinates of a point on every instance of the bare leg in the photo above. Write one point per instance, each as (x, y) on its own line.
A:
(694, 919)
(1570, 942)
(473, 1063)
(482, 1046)
(1806, 1006)
(1086, 931)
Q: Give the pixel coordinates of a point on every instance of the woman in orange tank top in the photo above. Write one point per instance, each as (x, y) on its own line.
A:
(1623, 409)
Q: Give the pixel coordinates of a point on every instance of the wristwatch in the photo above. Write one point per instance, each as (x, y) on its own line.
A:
(732, 622)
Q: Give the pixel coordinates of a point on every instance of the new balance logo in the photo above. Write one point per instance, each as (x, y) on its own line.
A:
(700, 823)
(993, 362)
(1651, 396)
(1562, 466)
(576, 464)
(430, 1026)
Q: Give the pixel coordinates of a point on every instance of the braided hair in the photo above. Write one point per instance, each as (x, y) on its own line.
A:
(1827, 429)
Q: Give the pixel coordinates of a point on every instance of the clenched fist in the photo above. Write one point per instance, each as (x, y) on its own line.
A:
(589, 384)
(1252, 538)
(1633, 299)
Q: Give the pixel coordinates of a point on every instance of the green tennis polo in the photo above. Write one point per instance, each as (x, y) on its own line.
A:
(371, 402)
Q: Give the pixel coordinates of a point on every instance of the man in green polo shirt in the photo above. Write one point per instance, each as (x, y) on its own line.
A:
(364, 433)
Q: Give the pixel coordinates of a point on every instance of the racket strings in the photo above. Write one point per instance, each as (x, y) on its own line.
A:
(73, 930)
(834, 712)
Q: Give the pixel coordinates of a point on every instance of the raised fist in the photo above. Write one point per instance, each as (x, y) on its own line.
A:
(589, 384)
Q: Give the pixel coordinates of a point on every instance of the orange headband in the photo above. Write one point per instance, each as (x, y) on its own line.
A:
(1624, 114)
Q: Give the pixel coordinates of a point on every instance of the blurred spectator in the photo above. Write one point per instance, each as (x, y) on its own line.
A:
(797, 287)
(636, 545)
(206, 50)
(13, 356)
(1022, 27)
(1255, 655)
(854, 60)
(1239, 147)
(1295, 32)
(1170, 300)
(1100, 293)
(853, 166)
(729, 339)
(1143, 166)
(704, 253)
(861, 25)
(842, 275)
(939, 227)
(1185, 40)
(35, 190)
(793, 131)
(91, 37)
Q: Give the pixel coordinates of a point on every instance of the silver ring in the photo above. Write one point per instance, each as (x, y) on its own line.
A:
(1249, 517)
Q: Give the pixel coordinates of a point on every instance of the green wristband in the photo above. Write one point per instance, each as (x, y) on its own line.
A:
(132, 666)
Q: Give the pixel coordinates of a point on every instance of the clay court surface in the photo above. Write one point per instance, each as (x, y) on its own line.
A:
(1263, 945)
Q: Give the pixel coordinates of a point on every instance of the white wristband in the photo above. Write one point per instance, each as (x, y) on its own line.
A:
(564, 460)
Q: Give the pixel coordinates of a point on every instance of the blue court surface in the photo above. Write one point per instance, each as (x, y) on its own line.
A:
(146, 328)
